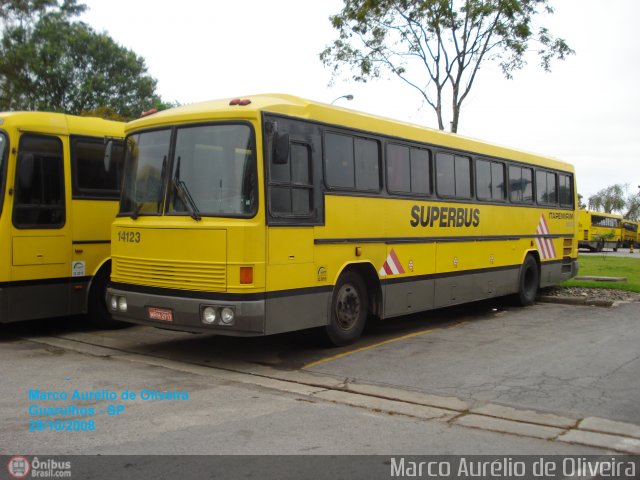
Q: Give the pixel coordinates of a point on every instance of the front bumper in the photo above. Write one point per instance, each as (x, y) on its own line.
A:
(186, 310)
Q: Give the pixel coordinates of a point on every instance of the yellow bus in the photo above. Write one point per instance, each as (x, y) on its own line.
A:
(58, 204)
(266, 214)
(629, 233)
(598, 230)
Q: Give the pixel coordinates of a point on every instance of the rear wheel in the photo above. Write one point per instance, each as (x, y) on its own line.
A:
(348, 310)
(529, 281)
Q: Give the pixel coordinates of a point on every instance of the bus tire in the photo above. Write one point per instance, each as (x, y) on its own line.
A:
(349, 310)
(98, 313)
(528, 281)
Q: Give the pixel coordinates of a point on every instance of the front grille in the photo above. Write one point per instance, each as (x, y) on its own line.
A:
(209, 277)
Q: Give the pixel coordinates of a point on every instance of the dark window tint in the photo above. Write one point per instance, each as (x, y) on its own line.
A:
(93, 177)
(463, 177)
(352, 163)
(453, 175)
(338, 158)
(398, 169)
(546, 192)
(420, 171)
(521, 184)
(367, 164)
(408, 170)
(565, 190)
(605, 222)
(39, 186)
(490, 180)
(290, 187)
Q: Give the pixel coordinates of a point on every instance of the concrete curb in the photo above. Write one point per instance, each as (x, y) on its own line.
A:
(595, 302)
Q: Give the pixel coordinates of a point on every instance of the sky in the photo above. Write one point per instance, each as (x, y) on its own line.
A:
(586, 111)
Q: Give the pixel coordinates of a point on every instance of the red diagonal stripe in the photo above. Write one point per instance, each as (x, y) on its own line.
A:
(396, 262)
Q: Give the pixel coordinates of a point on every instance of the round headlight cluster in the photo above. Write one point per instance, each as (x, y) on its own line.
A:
(212, 315)
(118, 303)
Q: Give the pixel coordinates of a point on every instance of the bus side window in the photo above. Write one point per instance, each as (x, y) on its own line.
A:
(352, 162)
(453, 175)
(490, 180)
(546, 190)
(92, 178)
(520, 184)
(291, 188)
(565, 193)
(408, 170)
(39, 187)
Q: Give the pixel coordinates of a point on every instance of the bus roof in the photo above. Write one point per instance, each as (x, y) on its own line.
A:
(61, 124)
(320, 112)
(602, 214)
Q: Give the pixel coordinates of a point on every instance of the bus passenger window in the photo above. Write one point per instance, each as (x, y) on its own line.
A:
(408, 170)
(546, 192)
(352, 163)
(520, 184)
(367, 158)
(339, 161)
(565, 193)
(91, 177)
(453, 175)
(490, 180)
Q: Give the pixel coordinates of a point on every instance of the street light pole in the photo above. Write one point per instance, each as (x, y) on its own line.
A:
(348, 97)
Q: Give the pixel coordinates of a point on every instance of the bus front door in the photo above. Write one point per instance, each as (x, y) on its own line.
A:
(41, 242)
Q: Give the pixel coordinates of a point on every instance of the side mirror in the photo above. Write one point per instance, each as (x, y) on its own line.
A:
(108, 150)
(281, 149)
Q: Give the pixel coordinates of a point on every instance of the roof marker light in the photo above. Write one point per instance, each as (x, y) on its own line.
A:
(151, 111)
(243, 102)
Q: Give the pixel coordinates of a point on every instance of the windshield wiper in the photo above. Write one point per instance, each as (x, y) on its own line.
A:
(183, 193)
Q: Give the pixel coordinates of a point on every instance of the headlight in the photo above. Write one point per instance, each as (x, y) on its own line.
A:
(114, 303)
(122, 304)
(209, 315)
(227, 316)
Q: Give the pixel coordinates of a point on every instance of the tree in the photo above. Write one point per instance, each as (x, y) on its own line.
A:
(616, 198)
(438, 46)
(49, 62)
(27, 12)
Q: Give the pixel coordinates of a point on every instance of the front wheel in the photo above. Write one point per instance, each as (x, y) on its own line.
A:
(528, 281)
(348, 310)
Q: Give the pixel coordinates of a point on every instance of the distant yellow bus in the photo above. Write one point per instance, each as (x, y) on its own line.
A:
(598, 231)
(57, 208)
(267, 214)
(629, 233)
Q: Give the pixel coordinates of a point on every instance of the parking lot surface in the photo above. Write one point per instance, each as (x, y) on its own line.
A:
(484, 378)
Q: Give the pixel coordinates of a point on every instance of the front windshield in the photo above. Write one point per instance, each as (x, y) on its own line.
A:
(211, 172)
(145, 164)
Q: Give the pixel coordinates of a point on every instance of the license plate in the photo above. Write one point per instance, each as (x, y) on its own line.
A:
(161, 314)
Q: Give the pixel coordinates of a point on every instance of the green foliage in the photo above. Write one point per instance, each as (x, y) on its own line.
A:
(50, 63)
(597, 266)
(27, 12)
(438, 46)
(616, 198)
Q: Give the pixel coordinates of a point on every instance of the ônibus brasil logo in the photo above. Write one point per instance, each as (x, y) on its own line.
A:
(18, 466)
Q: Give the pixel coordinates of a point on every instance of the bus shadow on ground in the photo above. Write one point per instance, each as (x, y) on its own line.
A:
(287, 351)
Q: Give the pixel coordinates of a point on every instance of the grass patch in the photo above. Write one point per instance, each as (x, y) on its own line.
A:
(605, 266)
